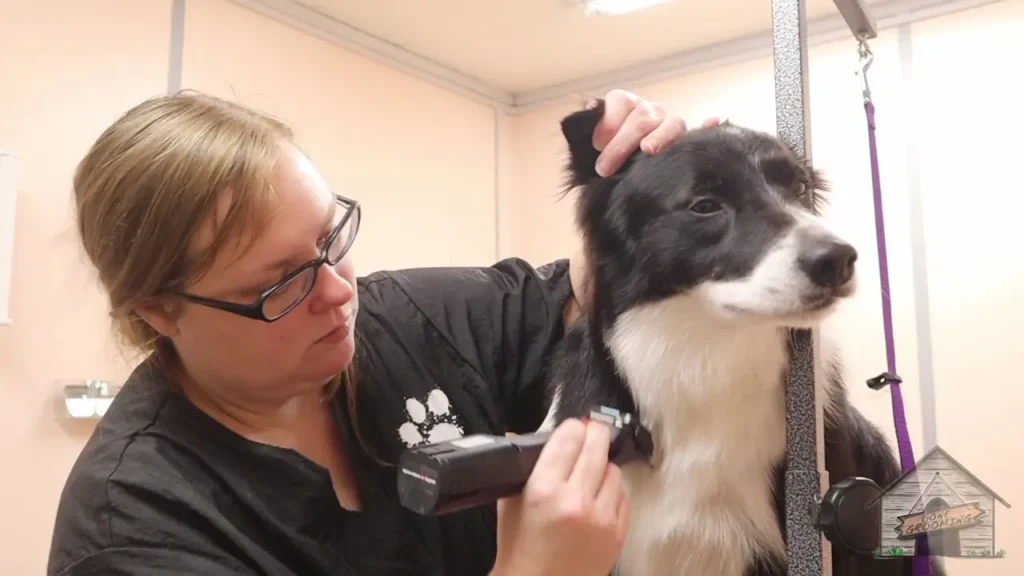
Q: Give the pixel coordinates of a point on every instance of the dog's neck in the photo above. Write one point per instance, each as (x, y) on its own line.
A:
(688, 370)
(710, 390)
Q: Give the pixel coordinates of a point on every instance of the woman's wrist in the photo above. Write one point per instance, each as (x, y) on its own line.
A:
(500, 567)
(503, 567)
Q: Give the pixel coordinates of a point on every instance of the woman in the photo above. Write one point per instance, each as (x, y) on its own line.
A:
(235, 447)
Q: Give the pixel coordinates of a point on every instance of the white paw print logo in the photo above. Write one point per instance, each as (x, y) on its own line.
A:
(431, 423)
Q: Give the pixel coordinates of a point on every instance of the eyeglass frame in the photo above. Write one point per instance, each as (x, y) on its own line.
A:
(254, 310)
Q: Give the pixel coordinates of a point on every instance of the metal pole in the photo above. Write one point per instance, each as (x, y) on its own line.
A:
(808, 554)
(803, 481)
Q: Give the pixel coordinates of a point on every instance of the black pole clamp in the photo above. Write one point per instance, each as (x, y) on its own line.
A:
(883, 380)
(850, 515)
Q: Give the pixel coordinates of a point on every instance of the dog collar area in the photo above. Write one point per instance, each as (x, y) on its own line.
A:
(630, 439)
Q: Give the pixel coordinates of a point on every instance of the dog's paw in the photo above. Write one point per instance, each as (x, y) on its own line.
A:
(430, 420)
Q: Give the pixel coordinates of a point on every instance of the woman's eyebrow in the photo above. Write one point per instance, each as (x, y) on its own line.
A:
(285, 263)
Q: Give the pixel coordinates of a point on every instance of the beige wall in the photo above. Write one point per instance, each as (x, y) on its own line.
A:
(420, 159)
(969, 99)
(68, 70)
(962, 113)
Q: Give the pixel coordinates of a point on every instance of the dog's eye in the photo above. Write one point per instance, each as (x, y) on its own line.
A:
(705, 206)
(800, 189)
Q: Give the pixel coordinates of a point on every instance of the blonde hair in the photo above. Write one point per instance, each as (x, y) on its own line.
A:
(153, 180)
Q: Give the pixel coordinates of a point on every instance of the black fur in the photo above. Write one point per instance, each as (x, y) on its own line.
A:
(647, 238)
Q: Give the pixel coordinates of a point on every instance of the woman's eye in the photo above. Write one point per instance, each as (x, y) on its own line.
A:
(705, 206)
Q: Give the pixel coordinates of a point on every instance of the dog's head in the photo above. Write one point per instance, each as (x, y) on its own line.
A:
(720, 217)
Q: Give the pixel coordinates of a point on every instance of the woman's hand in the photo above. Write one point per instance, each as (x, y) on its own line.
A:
(629, 123)
(571, 518)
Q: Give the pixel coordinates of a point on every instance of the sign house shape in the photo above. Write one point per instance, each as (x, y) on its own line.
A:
(938, 508)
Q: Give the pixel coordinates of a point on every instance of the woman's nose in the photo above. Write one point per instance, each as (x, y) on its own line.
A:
(332, 288)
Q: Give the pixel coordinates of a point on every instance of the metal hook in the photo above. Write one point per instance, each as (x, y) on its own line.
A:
(867, 57)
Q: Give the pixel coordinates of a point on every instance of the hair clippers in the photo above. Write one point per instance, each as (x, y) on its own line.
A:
(449, 476)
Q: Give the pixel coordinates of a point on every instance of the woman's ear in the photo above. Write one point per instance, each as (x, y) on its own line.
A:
(161, 314)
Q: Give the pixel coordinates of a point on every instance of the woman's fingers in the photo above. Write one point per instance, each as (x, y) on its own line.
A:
(642, 120)
(622, 517)
(663, 136)
(589, 472)
(629, 123)
(559, 455)
(618, 105)
(609, 495)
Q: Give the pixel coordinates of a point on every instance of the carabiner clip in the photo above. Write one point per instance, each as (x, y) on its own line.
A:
(866, 59)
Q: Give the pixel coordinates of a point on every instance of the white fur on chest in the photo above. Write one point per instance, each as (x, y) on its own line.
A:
(713, 399)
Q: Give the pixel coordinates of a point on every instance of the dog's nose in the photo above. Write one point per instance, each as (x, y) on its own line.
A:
(829, 264)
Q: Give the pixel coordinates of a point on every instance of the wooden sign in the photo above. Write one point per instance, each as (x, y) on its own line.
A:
(952, 517)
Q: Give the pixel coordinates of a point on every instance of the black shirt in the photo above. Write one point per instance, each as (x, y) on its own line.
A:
(161, 488)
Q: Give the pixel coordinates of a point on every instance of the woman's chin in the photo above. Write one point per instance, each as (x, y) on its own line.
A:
(329, 361)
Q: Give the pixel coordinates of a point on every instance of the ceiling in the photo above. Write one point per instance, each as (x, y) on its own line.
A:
(520, 46)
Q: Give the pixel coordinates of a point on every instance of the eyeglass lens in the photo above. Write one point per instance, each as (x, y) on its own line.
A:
(281, 300)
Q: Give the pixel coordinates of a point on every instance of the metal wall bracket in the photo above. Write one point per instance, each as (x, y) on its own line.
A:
(88, 399)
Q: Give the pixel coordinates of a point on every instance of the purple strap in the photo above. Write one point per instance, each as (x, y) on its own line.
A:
(922, 565)
(902, 436)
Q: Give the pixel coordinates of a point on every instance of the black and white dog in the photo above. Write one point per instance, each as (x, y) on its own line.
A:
(701, 258)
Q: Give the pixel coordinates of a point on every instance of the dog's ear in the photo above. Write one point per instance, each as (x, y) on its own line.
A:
(578, 130)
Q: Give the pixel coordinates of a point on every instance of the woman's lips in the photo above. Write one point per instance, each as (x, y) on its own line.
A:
(338, 334)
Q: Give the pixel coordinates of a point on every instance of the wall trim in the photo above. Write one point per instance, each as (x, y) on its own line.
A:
(891, 14)
(502, 238)
(177, 50)
(918, 251)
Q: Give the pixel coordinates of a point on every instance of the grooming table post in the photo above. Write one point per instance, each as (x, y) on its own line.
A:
(808, 553)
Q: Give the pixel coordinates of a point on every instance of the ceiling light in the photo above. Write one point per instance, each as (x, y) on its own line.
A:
(616, 7)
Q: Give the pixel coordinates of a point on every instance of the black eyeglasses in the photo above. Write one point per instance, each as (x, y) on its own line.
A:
(284, 296)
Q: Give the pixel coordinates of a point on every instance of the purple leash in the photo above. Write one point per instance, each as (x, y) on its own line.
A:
(921, 562)
(890, 377)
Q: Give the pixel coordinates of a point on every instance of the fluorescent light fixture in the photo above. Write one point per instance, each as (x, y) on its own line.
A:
(616, 7)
